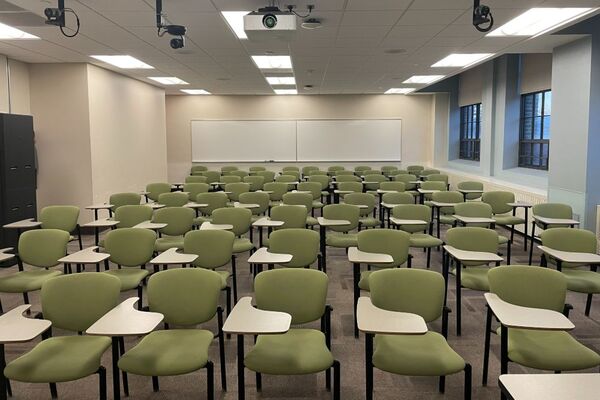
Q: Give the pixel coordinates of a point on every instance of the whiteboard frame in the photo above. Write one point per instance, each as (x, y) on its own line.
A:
(297, 119)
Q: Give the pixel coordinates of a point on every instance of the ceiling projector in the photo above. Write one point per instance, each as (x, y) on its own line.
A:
(269, 23)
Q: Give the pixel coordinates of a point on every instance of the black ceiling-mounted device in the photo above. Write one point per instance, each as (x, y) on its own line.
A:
(482, 15)
(57, 17)
(178, 31)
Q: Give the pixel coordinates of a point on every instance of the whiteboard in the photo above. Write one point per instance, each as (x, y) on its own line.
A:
(349, 140)
(248, 141)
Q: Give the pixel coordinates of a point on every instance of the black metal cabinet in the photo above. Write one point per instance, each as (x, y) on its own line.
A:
(17, 173)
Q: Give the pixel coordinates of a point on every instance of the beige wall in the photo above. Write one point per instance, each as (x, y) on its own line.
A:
(59, 104)
(127, 133)
(415, 112)
(536, 72)
(20, 102)
(470, 86)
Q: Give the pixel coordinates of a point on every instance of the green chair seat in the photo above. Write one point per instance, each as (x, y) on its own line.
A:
(447, 219)
(324, 193)
(549, 350)
(474, 278)
(424, 240)
(297, 352)
(201, 220)
(166, 242)
(274, 203)
(508, 220)
(339, 239)
(502, 239)
(130, 277)
(369, 222)
(168, 353)
(241, 245)
(582, 281)
(363, 283)
(224, 277)
(317, 204)
(416, 355)
(59, 359)
(26, 281)
(311, 221)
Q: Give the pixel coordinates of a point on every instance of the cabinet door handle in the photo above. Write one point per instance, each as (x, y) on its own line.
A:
(14, 208)
(13, 168)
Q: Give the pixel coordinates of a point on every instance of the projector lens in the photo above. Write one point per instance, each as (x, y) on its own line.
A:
(269, 21)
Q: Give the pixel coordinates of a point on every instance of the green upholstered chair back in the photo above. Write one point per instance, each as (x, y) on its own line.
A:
(230, 179)
(260, 198)
(292, 216)
(257, 169)
(351, 186)
(474, 209)
(438, 178)
(286, 178)
(347, 178)
(568, 239)
(130, 247)
(193, 189)
(415, 169)
(471, 185)
(129, 216)
(196, 179)
(473, 239)
(413, 291)
(413, 211)
(213, 247)
(360, 168)
(74, 302)
(212, 176)
(388, 168)
(240, 218)
(268, 175)
(398, 198)
(156, 189)
(378, 178)
(301, 293)
(406, 179)
(385, 241)
(553, 210)
(435, 185)
(213, 199)
(318, 172)
(529, 286)
(173, 199)
(335, 168)
(236, 189)
(429, 171)
(346, 212)
(307, 170)
(446, 197)
(499, 201)
(401, 172)
(397, 186)
(43, 247)
(179, 220)
(322, 180)
(124, 199)
(198, 168)
(278, 189)
(255, 182)
(298, 199)
(313, 187)
(343, 173)
(291, 168)
(59, 217)
(185, 296)
(302, 244)
(241, 174)
(229, 168)
(295, 174)
(361, 199)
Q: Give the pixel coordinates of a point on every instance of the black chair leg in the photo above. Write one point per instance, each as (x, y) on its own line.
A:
(8, 388)
(26, 298)
(258, 382)
(123, 373)
(140, 291)
(486, 349)
(210, 381)
(102, 382)
(53, 391)
(442, 384)
(328, 379)
(155, 384)
(428, 257)
(336, 380)
(468, 379)
(588, 304)
(234, 279)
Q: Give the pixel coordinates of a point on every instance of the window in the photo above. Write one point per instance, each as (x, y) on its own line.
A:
(470, 129)
(534, 138)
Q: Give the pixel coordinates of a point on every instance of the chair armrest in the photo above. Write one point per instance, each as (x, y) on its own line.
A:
(124, 320)
(245, 319)
(567, 309)
(361, 257)
(375, 320)
(16, 328)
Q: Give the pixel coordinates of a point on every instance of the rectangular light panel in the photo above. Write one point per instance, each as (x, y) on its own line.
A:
(195, 91)
(537, 21)
(399, 91)
(461, 60)
(286, 91)
(273, 62)
(423, 79)
(124, 62)
(168, 80)
(9, 33)
(235, 19)
(281, 80)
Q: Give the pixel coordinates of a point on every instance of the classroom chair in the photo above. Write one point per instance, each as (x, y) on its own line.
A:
(129, 216)
(359, 169)
(124, 199)
(63, 218)
(439, 178)
(196, 179)
(253, 170)
(315, 189)
(156, 189)
(194, 189)
(235, 189)
(471, 185)
(415, 169)
(347, 178)
(428, 171)
(322, 180)
(214, 200)
(278, 189)
(408, 186)
(388, 170)
(241, 174)
(260, 198)
(548, 210)
(256, 182)
(287, 179)
(290, 168)
(367, 215)
(227, 169)
(420, 235)
(197, 169)
(340, 236)
(302, 244)
(173, 199)
(212, 176)
(229, 179)
(291, 216)
(307, 170)
(445, 214)
(301, 199)
(355, 187)
(334, 168)
(343, 173)
(179, 220)
(499, 201)
(269, 176)
(373, 183)
(393, 185)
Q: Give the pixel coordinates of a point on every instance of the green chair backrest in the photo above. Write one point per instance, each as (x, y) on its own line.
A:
(352, 186)
(415, 291)
(313, 187)
(553, 210)
(172, 292)
(471, 185)
(212, 176)
(357, 199)
(130, 247)
(240, 218)
(474, 209)
(173, 199)
(335, 168)
(214, 248)
(256, 182)
(394, 185)
(268, 175)
(473, 239)
(438, 178)
(302, 244)
(43, 247)
(241, 174)
(194, 189)
(401, 172)
(427, 172)
(388, 168)
(360, 168)
(568, 239)
(347, 178)
(322, 180)
(179, 220)
(291, 168)
(286, 178)
(385, 241)
(345, 212)
(236, 189)
(156, 189)
(441, 186)
(124, 199)
(260, 198)
(398, 198)
(298, 199)
(447, 197)
(213, 199)
(292, 216)
(129, 216)
(59, 217)
(498, 200)
(415, 169)
(302, 293)
(406, 179)
(374, 178)
(317, 172)
(343, 173)
(278, 189)
(256, 169)
(307, 170)
(413, 211)
(230, 179)
(74, 302)
(229, 168)
(198, 168)
(528, 286)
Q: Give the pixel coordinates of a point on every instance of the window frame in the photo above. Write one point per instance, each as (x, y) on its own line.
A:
(534, 142)
(470, 132)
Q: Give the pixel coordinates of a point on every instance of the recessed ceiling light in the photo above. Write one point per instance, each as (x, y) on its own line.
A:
(195, 91)
(9, 33)
(235, 19)
(273, 62)
(400, 90)
(286, 91)
(461, 60)
(537, 21)
(281, 80)
(423, 78)
(168, 80)
(125, 62)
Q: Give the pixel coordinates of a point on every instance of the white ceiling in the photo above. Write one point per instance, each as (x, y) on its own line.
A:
(347, 55)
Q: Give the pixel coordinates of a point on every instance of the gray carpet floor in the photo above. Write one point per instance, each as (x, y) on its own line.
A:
(348, 350)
